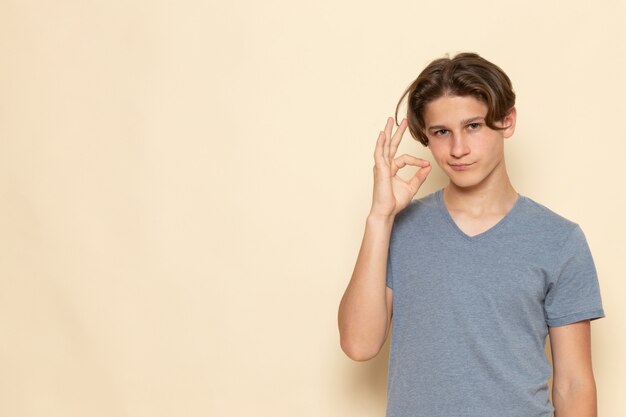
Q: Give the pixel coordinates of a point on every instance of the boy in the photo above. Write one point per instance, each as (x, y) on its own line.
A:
(474, 276)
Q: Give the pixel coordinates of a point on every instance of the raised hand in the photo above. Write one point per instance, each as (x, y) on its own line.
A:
(392, 193)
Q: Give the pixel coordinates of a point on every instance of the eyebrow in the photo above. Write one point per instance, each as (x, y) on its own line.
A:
(463, 122)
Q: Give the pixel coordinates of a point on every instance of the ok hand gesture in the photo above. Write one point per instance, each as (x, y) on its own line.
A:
(392, 193)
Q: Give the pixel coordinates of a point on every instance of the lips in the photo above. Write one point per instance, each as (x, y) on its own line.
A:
(460, 167)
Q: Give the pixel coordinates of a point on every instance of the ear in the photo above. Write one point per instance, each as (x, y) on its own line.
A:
(509, 123)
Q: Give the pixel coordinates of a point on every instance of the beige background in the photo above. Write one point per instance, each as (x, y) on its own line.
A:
(183, 188)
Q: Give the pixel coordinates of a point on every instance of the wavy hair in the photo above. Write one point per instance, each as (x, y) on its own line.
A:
(466, 74)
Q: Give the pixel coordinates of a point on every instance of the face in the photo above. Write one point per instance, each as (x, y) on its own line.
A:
(468, 151)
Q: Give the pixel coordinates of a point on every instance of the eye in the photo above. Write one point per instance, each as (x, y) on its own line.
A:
(440, 132)
(473, 126)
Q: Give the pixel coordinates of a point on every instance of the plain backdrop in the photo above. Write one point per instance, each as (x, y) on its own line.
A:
(184, 185)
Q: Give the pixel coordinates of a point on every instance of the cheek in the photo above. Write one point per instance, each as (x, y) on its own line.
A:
(495, 151)
(438, 152)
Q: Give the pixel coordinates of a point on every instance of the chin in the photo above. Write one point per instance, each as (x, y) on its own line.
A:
(465, 184)
(465, 180)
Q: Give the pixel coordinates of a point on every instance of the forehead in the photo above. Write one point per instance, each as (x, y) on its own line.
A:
(452, 110)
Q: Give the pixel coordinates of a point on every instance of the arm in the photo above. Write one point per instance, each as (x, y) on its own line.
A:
(573, 385)
(365, 309)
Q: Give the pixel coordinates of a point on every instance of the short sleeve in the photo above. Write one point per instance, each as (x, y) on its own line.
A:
(575, 293)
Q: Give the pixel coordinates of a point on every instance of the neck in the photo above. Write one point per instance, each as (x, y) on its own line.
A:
(496, 194)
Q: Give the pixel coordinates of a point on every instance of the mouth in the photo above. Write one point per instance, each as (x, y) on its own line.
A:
(460, 167)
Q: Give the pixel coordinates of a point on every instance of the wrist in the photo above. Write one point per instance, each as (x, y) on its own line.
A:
(380, 219)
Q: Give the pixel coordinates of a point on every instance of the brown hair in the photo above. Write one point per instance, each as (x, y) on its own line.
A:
(467, 74)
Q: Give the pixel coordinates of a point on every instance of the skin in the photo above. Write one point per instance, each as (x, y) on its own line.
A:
(573, 384)
(478, 195)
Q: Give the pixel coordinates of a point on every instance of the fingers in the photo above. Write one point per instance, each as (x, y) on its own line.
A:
(420, 176)
(397, 137)
(418, 179)
(379, 158)
(388, 138)
(404, 160)
(407, 159)
(387, 144)
(393, 139)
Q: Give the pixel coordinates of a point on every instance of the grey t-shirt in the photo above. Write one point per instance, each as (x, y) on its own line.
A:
(471, 314)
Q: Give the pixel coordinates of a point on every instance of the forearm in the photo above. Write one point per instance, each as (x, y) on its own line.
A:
(575, 399)
(363, 313)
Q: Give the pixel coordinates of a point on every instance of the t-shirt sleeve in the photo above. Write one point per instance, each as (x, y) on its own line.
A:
(575, 293)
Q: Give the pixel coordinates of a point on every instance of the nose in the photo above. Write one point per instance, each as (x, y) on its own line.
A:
(459, 146)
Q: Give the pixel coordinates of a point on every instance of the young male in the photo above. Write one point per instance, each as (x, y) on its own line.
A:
(474, 276)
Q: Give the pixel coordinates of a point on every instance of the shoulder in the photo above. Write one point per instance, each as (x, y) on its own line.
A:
(545, 224)
(424, 206)
(538, 215)
(421, 217)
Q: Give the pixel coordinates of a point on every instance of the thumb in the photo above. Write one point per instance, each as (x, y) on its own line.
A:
(416, 180)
